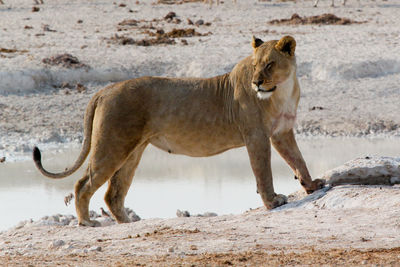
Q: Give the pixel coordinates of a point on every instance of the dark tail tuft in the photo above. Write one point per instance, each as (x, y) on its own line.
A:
(37, 157)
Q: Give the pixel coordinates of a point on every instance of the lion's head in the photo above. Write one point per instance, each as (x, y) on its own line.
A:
(273, 63)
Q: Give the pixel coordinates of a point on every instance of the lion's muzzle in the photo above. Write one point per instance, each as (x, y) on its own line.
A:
(259, 89)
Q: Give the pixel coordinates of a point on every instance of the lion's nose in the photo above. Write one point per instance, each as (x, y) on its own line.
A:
(257, 83)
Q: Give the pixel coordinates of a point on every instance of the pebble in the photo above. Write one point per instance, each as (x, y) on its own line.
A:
(21, 224)
(106, 221)
(71, 220)
(199, 22)
(56, 244)
(185, 213)
(209, 214)
(54, 218)
(65, 221)
(132, 215)
(93, 214)
(95, 248)
(171, 249)
(395, 180)
(70, 246)
(182, 213)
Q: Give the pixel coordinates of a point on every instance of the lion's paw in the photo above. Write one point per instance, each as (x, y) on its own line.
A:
(316, 185)
(278, 200)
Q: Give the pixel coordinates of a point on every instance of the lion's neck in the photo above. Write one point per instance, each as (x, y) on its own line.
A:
(285, 91)
(284, 109)
(225, 91)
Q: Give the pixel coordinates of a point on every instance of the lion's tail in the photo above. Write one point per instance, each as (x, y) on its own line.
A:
(88, 125)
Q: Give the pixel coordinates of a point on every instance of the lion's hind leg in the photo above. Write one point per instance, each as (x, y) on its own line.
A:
(119, 184)
(102, 167)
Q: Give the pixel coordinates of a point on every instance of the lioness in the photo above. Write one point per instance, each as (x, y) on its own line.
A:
(254, 105)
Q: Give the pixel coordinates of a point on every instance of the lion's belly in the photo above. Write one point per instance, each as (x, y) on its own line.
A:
(195, 144)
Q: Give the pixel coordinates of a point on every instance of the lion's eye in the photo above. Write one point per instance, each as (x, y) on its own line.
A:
(269, 66)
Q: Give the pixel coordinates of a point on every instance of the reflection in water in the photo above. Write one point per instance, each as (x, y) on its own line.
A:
(163, 183)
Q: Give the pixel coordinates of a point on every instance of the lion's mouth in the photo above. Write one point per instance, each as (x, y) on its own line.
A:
(267, 91)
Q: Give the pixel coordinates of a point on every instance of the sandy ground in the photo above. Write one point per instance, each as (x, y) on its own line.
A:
(350, 225)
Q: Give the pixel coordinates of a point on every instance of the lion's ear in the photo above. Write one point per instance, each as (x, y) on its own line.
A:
(256, 42)
(286, 45)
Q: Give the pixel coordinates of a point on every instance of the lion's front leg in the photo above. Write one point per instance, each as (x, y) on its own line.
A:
(259, 150)
(286, 145)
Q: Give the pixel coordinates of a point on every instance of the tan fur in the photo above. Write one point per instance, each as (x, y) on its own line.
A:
(194, 117)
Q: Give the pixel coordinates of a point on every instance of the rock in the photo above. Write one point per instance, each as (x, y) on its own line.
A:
(171, 249)
(56, 244)
(46, 28)
(65, 60)
(366, 171)
(106, 221)
(65, 221)
(132, 215)
(93, 214)
(395, 180)
(66, 85)
(176, 21)
(20, 225)
(209, 214)
(199, 22)
(80, 88)
(95, 248)
(23, 224)
(170, 16)
(73, 222)
(70, 246)
(54, 218)
(70, 217)
(184, 213)
(129, 22)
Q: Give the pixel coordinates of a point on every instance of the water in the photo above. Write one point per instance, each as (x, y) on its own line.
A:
(164, 183)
